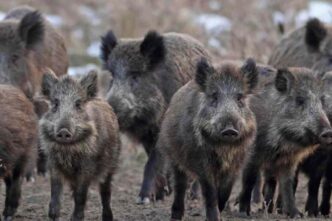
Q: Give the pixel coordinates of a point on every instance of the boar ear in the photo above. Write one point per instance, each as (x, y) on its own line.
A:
(108, 42)
(283, 81)
(315, 33)
(250, 72)
(202, 73)
(31, 29)
(90, 84)
(48, 81)
(153, 48)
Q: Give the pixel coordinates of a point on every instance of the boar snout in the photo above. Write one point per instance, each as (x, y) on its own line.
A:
(229, 133)
(326, 136)
(64, 135)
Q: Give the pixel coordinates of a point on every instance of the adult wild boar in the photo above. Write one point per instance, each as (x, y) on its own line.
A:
(81, 136)
(18, 143)
(291, 123)
(29, 44)
(309, 46)
(146, 73)
(319, 165)
(207, 131)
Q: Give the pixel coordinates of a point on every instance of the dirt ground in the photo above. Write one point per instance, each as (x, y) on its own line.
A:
(36, 195)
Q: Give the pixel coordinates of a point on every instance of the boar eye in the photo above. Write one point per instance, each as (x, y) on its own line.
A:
(78, 104)
(14, 58)
(55, 105)
(300, 101)
(134, 80)
(239, 99)
(214, 99)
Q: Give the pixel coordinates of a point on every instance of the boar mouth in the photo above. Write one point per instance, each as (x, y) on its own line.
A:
(80, 133)
(218, 139)
(304, 139)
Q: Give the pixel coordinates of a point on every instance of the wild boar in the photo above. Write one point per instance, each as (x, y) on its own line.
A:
(207, 131)
(291, 123)
(18, 143)
(146, 73)
(80, 135)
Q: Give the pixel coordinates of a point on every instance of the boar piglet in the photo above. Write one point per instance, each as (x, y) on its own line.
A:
(207, 132)
(80, 136)
(18, 142)
(146, 72)
(291, 123)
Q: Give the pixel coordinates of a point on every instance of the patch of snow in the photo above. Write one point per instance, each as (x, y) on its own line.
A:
(81, 70)
(94, 49)
(2, 15)
(279, 18)
(318, 9)
(213, 23)
(214, 43)
(55, 20)
(90, 15)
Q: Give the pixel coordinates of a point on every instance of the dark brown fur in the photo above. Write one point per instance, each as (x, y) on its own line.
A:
(18, 137)
(189, 137)
(92, 156)
(291, 124)
(48, 52)
(146, 73)
(308, 46)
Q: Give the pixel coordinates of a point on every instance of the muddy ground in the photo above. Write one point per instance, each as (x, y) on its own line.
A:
(36, 195)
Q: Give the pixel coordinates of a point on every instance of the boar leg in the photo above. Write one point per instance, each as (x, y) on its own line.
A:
(249, 178)
(269, 191)
(257, 192)
(312, 201)
(80, 196)
(180, 186)
(105, 195)
(279, 199)
(149, 141)
(13, 191)
(287, 193)
(209, 192)
(153, 181)
(41, 162)
(326, 194)
(224, 191)
(56, 193)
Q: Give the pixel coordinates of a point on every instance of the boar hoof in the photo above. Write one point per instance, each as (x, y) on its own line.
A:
(8, 218)
(295, 214)
(325, 210)
(143, 201)
(244, 215)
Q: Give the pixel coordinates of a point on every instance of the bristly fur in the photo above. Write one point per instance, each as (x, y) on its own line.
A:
(204, 70)
(153, 47)
(283, 80)
(108, 42)
(315, 33)
(31, 28)
(251, 73)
